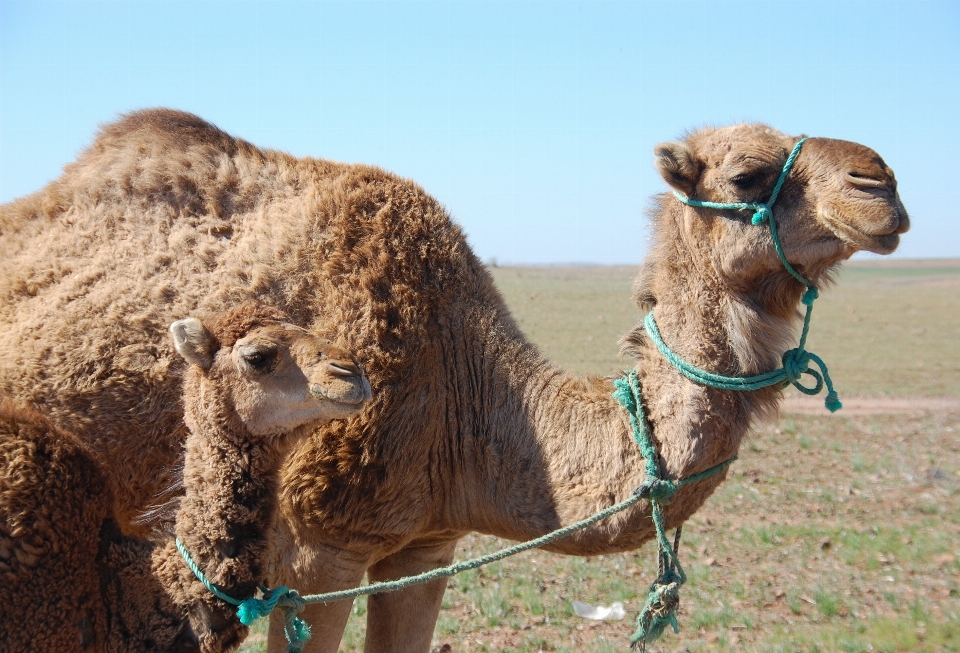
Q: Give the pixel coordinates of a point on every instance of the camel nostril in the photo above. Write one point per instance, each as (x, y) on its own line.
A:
(345, 368)
(861, 180)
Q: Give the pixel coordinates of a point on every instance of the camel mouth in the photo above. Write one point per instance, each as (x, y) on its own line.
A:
(352, 399)
(880, 236)
(214, 628)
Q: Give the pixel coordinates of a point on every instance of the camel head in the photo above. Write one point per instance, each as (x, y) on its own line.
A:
(253, 381)
(839, 198)
(274, 376)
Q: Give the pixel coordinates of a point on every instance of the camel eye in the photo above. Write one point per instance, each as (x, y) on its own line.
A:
(258, 356)
(256, 360)
(745, 180)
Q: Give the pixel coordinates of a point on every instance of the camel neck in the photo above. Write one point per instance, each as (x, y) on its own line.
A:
(712, 326)
(557, 447)
(230, 481)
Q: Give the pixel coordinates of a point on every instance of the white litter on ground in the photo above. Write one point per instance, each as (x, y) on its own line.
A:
(614, 612)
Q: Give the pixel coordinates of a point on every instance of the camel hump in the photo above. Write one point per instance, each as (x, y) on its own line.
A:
(169, 126)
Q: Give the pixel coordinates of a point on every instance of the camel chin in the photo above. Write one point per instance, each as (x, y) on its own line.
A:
(878, 232)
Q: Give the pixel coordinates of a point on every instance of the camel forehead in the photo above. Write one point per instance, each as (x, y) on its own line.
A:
(713, 145)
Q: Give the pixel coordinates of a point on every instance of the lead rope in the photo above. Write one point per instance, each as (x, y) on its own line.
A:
(796, 362)
(662, 599)
(249, 610)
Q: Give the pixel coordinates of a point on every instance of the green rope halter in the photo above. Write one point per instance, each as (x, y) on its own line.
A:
(251, 609)
(796, 362)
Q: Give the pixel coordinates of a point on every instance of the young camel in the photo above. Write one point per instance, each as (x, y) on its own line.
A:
(69, 581)
(471, 428)
(72, 582)
(255, 385)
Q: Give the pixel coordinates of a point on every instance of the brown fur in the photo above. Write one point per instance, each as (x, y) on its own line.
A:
(69, 581)
(233, 463)
(470, 428)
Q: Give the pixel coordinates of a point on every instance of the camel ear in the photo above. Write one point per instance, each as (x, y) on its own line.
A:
(678, 166)
(192, 341)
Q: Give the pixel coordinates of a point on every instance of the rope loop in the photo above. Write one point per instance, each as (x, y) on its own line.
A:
(832, 401)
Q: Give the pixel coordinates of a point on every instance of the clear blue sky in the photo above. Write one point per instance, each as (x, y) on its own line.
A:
(533, 122)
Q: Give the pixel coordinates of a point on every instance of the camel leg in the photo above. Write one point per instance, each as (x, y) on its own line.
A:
(403, 621)
(327, 570)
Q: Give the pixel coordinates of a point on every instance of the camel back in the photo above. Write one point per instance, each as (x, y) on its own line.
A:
(165, 216)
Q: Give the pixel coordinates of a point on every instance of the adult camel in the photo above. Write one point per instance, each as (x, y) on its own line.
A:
(470, 429)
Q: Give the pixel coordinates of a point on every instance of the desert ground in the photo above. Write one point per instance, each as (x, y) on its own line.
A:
(833, 533)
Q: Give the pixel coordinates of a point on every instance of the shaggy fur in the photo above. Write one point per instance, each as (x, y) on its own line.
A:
(69, 581)
(233, 463)
(470, 428)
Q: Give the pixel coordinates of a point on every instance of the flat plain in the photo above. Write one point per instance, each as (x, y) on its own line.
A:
(832, 533)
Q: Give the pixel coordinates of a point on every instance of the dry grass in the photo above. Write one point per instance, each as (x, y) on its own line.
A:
(833, 533)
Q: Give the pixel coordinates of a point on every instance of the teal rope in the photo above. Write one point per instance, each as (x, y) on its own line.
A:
(203, 579)
(663, 598)
(663, 489)
(452, 570)
(664, 595)
(764, 211)
(251, 609)
(796, 362)
(654, 489)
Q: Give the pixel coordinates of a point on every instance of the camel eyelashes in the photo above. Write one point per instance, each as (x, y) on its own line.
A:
(745, 180)
(259, 356)
(258, 360)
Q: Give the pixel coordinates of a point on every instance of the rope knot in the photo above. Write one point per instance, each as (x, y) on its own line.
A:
(810, 296)
(253, 608)
(290, 602)
(796, 362)
(832, 402)
(656, 488)
(763, 214)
